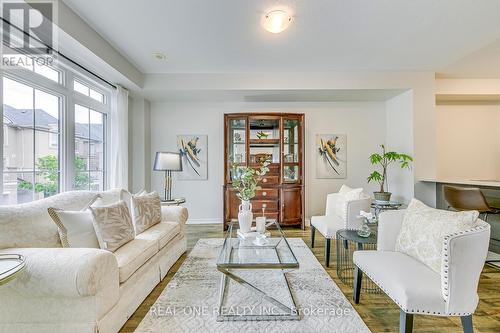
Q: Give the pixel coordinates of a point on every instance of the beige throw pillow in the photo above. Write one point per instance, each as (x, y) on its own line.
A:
(346, 194)
(146, 211)
(424, 228)
(113, 225)
(75, 228)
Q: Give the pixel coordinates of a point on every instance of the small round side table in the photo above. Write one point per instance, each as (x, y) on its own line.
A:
(380, 206)
(173, 202)
(11, 265)
(349, 241)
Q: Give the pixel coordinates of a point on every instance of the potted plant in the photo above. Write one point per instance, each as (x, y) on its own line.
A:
(385, 159)
(245, 181)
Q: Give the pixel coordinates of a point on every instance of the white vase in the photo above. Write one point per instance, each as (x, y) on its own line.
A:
(245, 216)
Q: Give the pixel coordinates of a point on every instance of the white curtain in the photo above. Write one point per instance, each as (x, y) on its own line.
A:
(118, 139)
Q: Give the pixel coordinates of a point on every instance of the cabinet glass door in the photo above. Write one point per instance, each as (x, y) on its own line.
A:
(291, 143)
(264, 142)
(237, 136)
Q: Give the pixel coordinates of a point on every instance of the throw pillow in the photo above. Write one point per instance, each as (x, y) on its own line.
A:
(75, 228)
(424, 228)
(146, 211)
(346, 194)
(112, 225)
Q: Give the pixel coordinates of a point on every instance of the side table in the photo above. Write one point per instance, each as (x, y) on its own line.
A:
(380, 206)
(173, 202)
(11, 265)
(349, 241)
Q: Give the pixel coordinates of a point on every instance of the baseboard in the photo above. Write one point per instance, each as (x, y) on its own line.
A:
(204, 221)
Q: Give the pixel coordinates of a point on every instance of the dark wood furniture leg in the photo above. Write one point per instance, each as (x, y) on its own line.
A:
(313, 233)
(327, 252)
(405, 322)
(467, 324)
(358, 276)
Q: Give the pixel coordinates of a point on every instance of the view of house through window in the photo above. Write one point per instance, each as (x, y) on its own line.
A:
(31, 120)
(33, 137)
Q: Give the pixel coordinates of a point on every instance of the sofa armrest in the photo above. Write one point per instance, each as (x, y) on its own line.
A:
(177, 214)
(354, 207)
(389, 225)
(464, 256)
(65, 272)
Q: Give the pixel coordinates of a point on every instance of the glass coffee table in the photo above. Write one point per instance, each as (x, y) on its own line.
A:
(254, 284)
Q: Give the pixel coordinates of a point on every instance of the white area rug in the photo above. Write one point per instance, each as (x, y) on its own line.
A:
(189, 303)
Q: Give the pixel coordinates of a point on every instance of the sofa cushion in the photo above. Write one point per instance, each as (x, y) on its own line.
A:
(113, 225)
(407, 281)
(328, 225)
(424, 228)
(161, 233)
(133, 255)
(146, 211)
(76, 228)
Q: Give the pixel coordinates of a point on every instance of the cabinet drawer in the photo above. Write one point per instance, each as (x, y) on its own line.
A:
(270, 180)
(271, 205)
(267, 193)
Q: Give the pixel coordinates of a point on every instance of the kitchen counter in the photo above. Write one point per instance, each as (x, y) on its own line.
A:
(473, 182)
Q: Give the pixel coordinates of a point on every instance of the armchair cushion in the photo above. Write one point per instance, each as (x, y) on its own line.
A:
(408, 282)
(423, 231)
(346, 194)
(327, 225)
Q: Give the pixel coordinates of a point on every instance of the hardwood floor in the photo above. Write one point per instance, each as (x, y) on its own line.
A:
(377, 310)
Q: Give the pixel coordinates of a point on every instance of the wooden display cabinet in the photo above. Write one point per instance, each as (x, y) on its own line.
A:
(250, 138)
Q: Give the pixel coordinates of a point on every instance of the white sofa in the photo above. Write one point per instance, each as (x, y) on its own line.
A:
(415, 287)
(81, 289)
(331, 222)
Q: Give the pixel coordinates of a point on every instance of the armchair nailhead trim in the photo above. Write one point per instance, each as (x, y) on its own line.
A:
(446, 247)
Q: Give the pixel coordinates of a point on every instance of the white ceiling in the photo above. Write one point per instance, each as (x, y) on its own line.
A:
(209, 36)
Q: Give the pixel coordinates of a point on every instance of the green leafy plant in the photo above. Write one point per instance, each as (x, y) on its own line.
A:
(246, 179)
(385, 159)
(49, 171)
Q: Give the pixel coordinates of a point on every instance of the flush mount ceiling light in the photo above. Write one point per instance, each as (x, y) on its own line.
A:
(159, 56)
(276, 21)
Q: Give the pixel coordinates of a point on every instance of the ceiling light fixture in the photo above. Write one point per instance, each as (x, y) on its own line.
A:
(276, 21)
(159, 56)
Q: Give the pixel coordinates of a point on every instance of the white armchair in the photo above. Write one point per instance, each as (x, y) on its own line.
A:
(415, 287)
(332, 221)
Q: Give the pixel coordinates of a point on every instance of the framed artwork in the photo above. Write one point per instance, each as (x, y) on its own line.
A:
(193, 149)
(331, 156)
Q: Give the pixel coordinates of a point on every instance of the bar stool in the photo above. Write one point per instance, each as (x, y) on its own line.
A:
(469, 198)
(465, 198)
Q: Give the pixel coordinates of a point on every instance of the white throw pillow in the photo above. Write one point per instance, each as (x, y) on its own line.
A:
(75, 228)
(424, 228)
(346, 194)
(113, 225)
(146, 211)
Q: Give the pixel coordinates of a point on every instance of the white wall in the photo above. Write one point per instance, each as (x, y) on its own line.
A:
(399, 137)
(363, 122)
(468, 142)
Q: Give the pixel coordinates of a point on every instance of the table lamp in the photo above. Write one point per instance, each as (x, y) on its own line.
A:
(168, 162)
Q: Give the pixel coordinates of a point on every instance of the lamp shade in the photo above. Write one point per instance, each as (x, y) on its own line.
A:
(167, 161)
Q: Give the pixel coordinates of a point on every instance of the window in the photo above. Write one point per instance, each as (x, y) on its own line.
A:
(31, 163)
(37, 101)
(89, 149)
(88, 91)
(31, 65)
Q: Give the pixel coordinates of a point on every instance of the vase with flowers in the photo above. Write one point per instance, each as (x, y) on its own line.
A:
(245, 180)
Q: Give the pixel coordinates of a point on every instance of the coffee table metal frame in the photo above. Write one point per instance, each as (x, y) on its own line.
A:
(225, 266)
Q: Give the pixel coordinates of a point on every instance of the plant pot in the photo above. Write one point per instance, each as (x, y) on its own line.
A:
(245, 216)
(382, 196)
